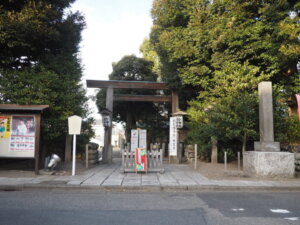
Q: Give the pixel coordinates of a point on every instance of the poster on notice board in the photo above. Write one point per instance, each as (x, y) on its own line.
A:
(17, 136)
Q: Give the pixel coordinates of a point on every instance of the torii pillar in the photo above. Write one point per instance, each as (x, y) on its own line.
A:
(107, 148)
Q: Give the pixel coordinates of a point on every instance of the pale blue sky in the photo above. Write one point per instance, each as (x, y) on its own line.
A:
(114, 28)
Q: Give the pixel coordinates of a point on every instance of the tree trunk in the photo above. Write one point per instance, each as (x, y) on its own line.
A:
(68, 149)
(130, 124)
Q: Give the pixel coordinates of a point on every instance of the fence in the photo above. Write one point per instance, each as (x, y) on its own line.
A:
(154, 159)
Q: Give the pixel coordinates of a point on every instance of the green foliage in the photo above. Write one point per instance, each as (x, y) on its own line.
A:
(86, 134)
(134, 69)
(293, 129)
(39, 64)
(287, 128)
(223, 49)
(150, 54)
(228, 119)
(135, 114)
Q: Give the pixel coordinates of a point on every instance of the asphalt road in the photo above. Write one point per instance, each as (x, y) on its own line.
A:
(89, 208)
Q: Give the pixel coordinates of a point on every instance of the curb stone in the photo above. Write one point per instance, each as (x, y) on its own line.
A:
(24, 187)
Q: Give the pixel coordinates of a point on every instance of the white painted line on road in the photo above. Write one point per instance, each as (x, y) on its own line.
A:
(292, 218)
(279, 211)
(240, 209)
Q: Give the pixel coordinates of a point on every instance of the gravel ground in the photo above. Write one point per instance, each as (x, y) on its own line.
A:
(218, 172)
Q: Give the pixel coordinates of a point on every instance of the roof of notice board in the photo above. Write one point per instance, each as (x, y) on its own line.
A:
(22, 108)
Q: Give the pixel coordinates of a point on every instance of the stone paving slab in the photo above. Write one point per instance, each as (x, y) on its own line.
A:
(167, 179)
(98, 178)
(115, 179)
(150, 180)
(132, 179)
(183, 179)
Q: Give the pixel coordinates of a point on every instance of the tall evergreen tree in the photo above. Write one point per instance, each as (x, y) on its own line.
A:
(39, 62)
(225, 47)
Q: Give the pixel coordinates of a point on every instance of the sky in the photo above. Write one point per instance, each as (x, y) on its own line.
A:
(115, 28)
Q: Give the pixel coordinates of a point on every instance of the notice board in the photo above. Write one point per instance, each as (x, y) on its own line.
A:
(138, 139)
(17, 136)
(20, 127)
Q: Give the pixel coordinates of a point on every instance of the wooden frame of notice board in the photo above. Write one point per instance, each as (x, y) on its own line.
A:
(20, 128)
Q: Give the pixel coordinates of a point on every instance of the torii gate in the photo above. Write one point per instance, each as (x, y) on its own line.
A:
(110, 85)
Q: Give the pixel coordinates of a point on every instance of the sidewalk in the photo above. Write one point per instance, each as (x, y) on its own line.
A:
(177, 177)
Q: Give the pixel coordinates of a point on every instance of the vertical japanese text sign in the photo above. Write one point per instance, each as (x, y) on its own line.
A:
(173, 137)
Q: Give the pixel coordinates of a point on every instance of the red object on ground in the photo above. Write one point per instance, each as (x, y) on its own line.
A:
(141, 159)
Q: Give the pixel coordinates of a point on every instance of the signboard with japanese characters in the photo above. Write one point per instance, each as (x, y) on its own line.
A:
(134, 143)
(17, 136)
(179, 121)
(142, 139)
(138, 139)
(173, 137)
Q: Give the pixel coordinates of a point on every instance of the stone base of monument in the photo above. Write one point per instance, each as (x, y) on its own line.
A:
(269, 164)
(267, 146)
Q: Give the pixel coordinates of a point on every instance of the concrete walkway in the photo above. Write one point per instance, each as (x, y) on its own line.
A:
(177, 177)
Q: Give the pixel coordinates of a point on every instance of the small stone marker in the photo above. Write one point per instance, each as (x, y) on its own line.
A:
(214, 151)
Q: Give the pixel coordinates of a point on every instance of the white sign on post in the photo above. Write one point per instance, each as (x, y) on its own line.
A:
(179, 121)
(143, 139)
(138, 139)
(74, 123)
(134, 140)
(173, 137)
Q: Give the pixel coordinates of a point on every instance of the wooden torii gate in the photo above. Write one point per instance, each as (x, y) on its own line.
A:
(110, 85)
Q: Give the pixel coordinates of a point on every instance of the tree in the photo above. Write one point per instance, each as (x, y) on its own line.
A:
(39, 63)
(229, 112)
(196, 37)
(225, 47)
(150, 54)
(134, 114)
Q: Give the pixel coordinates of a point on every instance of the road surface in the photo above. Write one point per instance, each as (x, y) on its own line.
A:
(66, 207)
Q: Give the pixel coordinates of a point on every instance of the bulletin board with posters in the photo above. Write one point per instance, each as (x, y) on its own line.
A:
(20, 131)
(17, 136)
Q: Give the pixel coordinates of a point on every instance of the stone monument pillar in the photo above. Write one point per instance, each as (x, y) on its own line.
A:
(267, 160)
(266, 127)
